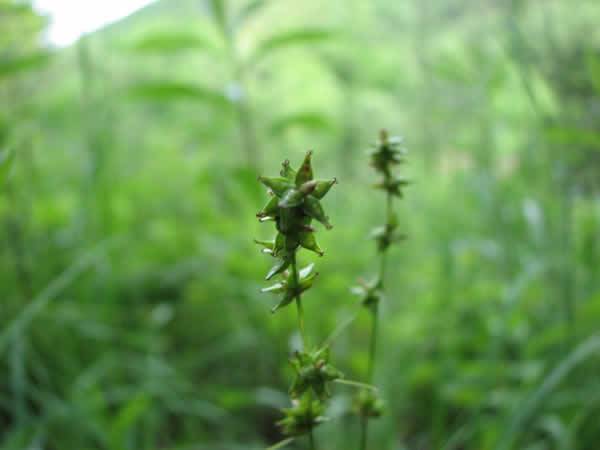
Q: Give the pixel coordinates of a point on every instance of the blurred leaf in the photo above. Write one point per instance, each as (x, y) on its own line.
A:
(245, 180)
(6, 160)
(582, 353)
(453, 69)
(171, 41)
(14, 8)
(218, 9)
(126, 418)
(574, 136)
(249, 10)
(554, 427)
(51, 291)
(13, 66)
(235, 399)
(290, 38)
(175, 91)
(594, 71)
(313, 121)
(270, 397)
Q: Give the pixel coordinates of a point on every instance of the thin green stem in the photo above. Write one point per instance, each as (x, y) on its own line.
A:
(373, 342)
(281, 444)
(294, 268)
(338, 331)
(356, 384)
(375, 310)
(382, 266)
(242, 104)
(389, 219)
(364, 423)
(389, 207)
(311, 438)
(363, 432)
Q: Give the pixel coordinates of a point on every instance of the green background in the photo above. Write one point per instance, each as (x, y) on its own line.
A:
(130, 312)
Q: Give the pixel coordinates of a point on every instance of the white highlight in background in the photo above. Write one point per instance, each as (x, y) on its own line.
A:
(70, 19)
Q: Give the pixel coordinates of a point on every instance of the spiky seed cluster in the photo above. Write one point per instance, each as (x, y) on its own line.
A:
(295, 202)
(387, 153)
(313, 371)
(370, 292)
(304, 415)
(368, 404)
(290, 287)
(384, 156)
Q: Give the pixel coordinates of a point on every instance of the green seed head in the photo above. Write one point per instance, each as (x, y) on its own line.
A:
(290, 287)
(387, 152)
(313, 371)
(296, 201)
(368, 404)
(304, 415)
(369, 293)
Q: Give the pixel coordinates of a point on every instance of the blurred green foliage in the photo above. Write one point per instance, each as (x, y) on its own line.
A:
(131, 316)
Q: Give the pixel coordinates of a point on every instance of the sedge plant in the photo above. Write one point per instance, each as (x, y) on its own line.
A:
(387, 153)
(295, 202)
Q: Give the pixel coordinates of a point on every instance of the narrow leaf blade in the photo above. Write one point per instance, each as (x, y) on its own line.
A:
(6, 161)
(164, 91)
(303, 36)
(170, 41)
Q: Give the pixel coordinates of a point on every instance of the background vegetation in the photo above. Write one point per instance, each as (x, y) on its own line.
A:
(130, 314)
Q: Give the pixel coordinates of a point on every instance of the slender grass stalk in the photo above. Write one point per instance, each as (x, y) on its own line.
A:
(373, 343)
(51, 291)
(282, 444)
(338, 331)
(243, 107)
(311, 437)
(385, 155)
(518, 420)
(364, 431)
(295, 202)
(356, 384)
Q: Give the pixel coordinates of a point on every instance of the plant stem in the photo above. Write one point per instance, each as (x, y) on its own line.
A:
(295, 276)
(373, 342)
(355, 384)
(364, 424)
(389, 223)
(311, 437)
(281, 444)
(17, 243)
(363, 432)
(243, 109)
(566, 276)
